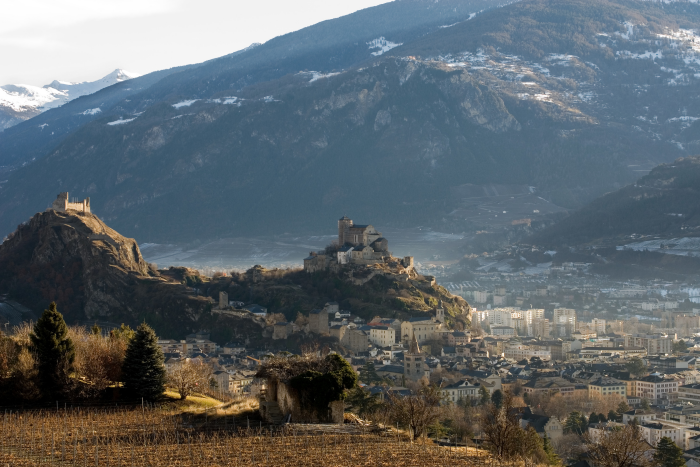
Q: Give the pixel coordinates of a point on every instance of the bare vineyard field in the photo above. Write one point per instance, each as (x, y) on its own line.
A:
(156, 437)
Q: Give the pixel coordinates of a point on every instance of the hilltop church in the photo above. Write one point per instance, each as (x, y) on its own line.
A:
(359, 245)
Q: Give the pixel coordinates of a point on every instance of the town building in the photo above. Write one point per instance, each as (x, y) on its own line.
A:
(654, 343)
(382, 336)
(318, 321)
(461, 390)
(607, 387)
(414, 360)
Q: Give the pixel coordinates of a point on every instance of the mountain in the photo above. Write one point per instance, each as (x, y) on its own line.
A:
(92, 272)
(661, 211)
(568, 98)
(325, 47)
(19, 102)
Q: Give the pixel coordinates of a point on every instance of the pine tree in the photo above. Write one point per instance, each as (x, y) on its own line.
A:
(368, 373)
(668, 454)
(552, 456)
(54, 350)
(497, 398)
(484, 396)
(143, 369)
(593, 418)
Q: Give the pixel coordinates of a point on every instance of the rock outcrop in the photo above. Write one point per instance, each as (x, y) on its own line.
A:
(91, 271)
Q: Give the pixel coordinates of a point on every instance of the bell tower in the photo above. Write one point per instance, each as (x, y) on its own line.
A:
(440, 313)
(344, 223)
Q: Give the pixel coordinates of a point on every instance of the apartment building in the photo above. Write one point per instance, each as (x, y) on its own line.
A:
(653, 343)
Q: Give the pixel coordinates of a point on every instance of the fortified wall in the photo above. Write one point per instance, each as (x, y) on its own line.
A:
(62, 204)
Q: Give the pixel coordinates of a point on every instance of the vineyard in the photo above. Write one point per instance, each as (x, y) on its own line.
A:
(156, 437)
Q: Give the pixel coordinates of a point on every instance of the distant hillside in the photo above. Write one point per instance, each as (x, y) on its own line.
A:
(665, 203)
(388, 112)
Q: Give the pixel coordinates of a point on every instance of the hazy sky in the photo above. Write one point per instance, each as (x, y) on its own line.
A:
(83, 40)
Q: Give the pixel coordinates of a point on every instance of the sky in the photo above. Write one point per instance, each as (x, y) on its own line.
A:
(84, 40)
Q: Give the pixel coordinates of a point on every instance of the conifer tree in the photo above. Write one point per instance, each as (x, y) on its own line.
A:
(143, 370)
(484, 395)
(552, 456)
(497, 398)
(668, 454)
(54, 351)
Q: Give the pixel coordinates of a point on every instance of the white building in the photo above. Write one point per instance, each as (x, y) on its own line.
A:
(460, 390)
(505, 331)
(382, 336)
(518, 352)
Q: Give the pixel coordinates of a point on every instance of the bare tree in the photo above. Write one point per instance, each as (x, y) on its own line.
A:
(98, 360)
(501, 427)
(417, 411)
(616, 446)
(189, 375)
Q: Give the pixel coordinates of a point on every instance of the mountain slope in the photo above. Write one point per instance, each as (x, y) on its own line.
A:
(253, 143)
(19, 102)
(324, 47)
(663, 204)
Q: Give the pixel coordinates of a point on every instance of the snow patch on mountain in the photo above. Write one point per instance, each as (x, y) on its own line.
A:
(185, 103)
(121, 122)
(383, 45)
(94, 111)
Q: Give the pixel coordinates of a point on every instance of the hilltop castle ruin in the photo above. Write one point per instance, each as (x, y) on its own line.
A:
(358, 245)
(62, 204)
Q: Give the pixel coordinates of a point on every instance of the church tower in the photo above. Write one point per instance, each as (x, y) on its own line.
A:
(344, 223)
(414, 362)
(440, 313)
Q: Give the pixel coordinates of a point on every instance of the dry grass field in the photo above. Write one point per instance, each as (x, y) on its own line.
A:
(117, 437)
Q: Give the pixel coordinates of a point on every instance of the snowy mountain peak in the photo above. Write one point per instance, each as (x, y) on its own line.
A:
(20, 102)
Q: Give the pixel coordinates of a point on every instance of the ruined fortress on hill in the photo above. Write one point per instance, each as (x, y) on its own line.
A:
(62, 204)
(362, 252)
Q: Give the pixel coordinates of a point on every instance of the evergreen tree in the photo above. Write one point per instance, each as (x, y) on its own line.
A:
(667, 454)
(601, 418)
(576, 423)
(143, 369)
(497, 398)
(54, 350)
(622, 408)
(593, 418)
(613, 417)
(552, 456)
(484, 396)
(368, 374)
(645, 404)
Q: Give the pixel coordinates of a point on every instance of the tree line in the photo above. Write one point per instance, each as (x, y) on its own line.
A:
(51, 361)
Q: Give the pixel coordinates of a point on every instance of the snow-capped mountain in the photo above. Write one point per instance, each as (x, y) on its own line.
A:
(19, 102)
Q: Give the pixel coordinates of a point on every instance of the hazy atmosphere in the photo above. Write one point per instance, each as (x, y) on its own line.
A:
(320, 233)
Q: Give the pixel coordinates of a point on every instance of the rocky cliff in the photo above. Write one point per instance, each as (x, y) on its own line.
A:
(92, 272)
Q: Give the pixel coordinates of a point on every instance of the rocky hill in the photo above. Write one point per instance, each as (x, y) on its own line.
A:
(92, 273)
(568, 98)
(662, 205)
(96, 274)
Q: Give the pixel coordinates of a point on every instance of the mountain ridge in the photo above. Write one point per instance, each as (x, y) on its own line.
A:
(20, 102)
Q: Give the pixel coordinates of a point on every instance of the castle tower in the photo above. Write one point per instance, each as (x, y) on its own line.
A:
(413, 362)
(440, 313)
(344, 223)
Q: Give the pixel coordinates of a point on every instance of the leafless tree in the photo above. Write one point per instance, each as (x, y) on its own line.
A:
(619, 447)
(418, 410)
(189, 375)
(98, 360)
(501, 427)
